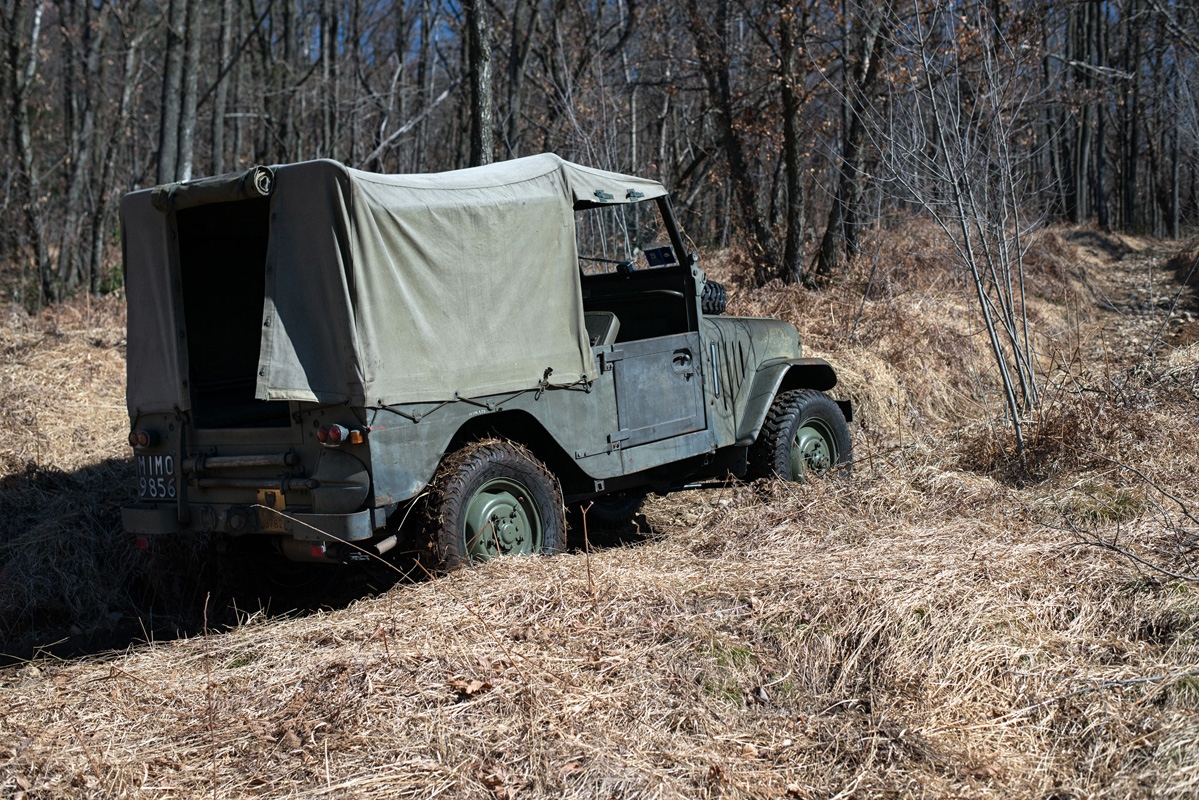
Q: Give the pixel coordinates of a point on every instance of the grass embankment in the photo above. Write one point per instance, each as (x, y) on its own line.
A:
(943, 623)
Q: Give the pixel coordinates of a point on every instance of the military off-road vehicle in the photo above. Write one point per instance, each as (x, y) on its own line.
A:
(317, 352)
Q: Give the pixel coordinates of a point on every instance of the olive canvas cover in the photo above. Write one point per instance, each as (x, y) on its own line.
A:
(386, 289)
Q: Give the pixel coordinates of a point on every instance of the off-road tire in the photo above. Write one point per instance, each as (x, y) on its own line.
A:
(816, 420)
(714, 298)
(485, 479)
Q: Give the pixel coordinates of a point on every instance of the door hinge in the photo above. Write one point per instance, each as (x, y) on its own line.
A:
(608, 360)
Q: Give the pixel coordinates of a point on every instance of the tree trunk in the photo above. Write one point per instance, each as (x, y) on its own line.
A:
(843, 228)
(220, 99)
(1101, 210)
(191, 78)
(102, 212)
(23, 58)
(172, 92)
(1131, 133)
(1080, 53)
(479, 63)
(1175, 172)
(525, 17)
(92, 40)
(289, 133)
(1052, 125)
(790, 36)
(424, 84)
(711, 44)
(328, 23)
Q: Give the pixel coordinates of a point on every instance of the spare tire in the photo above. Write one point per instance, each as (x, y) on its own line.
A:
(714, 298)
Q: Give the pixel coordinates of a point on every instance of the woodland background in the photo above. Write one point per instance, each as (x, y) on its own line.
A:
(788, 128)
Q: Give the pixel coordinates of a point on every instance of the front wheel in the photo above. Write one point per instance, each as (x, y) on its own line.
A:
(804, 435)
(493, 498)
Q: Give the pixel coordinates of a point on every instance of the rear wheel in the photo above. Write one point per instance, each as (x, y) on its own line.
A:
(804, 435)
(494, 498)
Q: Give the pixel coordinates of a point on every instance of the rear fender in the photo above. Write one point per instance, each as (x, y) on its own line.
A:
(783, 375)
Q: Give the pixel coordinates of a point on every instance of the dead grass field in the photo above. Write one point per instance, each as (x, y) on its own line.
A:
(942, 623)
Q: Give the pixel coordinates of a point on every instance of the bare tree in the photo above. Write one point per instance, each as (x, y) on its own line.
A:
(950, 150)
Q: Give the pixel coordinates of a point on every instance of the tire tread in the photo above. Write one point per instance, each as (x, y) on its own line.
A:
(714, 299)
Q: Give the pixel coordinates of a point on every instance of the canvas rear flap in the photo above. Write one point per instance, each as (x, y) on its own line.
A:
(152, 363)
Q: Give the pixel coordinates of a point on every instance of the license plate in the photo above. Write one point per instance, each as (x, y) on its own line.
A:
(156, 477)
(268, 520)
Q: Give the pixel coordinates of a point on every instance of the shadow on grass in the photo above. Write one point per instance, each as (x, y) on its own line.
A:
(600, 534)
(1107, 244)
(74, 584)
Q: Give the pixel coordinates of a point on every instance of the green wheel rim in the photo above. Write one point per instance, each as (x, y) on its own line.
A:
(501, 519)
(813, 450)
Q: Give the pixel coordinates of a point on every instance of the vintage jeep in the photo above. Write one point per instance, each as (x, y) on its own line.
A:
(315, 352)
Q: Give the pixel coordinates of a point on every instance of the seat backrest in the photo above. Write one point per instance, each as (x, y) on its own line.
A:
(602, 327)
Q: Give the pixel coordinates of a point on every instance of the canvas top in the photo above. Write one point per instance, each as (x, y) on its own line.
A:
(385, 289)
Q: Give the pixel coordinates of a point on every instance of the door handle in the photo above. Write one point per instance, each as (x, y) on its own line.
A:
(683, 362)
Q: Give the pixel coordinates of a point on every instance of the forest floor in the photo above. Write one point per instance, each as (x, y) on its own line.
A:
(947, 621)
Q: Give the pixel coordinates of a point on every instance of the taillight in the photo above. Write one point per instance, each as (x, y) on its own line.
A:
(336, 435)
(133, 438)
(140, 438)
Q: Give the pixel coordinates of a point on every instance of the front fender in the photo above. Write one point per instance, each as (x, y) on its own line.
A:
(783, 375)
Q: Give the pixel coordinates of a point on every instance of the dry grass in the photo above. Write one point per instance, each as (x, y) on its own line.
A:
(935, 625)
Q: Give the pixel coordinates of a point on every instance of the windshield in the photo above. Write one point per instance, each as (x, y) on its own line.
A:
(623, 238)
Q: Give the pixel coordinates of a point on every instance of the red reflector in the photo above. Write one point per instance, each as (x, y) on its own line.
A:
(322, 435)
(141, 542)
(338, 434)
(317, 550)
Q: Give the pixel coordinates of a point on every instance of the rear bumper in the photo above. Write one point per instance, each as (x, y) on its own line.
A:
(152, 518)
